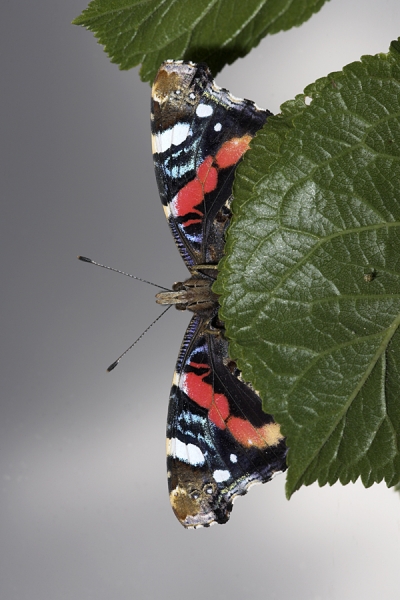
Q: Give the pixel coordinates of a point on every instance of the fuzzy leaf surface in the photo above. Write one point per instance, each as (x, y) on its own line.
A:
(310, 282)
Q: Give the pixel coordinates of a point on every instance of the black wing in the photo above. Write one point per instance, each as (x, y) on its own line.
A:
(219, 441)
(199, 134)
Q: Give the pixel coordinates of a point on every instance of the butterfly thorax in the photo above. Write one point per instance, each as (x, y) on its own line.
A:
(194, 294)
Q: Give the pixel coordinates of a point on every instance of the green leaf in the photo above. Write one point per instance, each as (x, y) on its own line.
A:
(311, 279)
(213, 31)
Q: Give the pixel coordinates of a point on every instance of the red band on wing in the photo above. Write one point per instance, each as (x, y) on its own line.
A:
(218, 410)
(192, 194)
(230, 152)
(248, 435)
(203, 394)
(206, 180)
(208, 175)
(187, 198)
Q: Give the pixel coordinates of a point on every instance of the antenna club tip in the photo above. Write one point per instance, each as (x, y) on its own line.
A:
(85, 259)
(112, 367)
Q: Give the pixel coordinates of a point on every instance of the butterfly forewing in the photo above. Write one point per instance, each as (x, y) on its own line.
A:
(219, 441)
(199, 133)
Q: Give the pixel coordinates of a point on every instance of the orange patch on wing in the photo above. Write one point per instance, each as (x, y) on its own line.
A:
(248, 435)
(230, 152)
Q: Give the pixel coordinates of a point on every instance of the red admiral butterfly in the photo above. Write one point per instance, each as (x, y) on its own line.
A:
(219, 441)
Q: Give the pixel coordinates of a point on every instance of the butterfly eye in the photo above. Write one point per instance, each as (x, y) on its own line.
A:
(180, 306)
(195, 494)
(209, 490)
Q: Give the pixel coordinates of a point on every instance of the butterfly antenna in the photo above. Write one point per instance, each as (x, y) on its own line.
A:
(115, 363)
(89, 260)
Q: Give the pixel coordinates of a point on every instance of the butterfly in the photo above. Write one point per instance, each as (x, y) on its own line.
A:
(219, 441)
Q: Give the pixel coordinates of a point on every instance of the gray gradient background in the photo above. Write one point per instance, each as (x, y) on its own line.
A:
(83, 503)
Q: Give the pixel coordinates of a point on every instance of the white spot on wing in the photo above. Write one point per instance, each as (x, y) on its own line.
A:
(217, 127)
(233, 458)
(196, 457)
(204, 110)
(172, 137)
(221, 475)
(170, 446)
(189, 453)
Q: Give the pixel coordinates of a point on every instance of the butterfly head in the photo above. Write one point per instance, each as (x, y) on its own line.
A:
(195, 294)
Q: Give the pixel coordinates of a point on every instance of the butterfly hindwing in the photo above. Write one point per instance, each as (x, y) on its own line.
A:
(219, 441)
